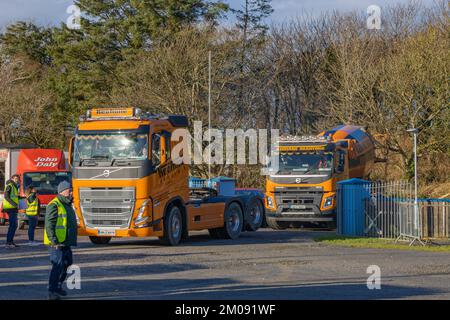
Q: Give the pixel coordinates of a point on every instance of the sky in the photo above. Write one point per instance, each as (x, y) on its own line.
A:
(52, 12)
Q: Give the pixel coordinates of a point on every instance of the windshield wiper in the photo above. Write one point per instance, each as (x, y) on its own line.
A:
(120, 161)
(94, 158)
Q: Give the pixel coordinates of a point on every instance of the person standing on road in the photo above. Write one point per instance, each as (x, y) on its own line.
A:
(60, 234)
(32, 213)
(11, 207)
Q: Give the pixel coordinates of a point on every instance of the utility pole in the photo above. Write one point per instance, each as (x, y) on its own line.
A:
(209, 111)
(414, 131)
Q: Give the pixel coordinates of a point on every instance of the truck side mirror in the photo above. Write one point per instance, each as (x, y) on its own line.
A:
(71, 151)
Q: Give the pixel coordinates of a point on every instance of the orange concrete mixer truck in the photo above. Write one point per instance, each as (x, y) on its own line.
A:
(303, 189)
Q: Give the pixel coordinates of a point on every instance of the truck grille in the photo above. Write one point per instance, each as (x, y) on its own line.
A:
(107, 207)
(298, 200)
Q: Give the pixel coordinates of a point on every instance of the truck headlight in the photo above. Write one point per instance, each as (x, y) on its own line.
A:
(328, 202)
(269, 202)
(142, 214)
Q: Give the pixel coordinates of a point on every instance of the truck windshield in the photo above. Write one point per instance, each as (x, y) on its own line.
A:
(45, 182)
(107, 147)
(299, 164)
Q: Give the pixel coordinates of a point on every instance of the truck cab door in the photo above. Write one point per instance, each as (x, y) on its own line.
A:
(340, 162)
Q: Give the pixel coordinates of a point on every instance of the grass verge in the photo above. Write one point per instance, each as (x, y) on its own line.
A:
(375, 243)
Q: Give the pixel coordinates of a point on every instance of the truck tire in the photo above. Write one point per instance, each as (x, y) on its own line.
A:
(100, 240)
(173, 227)
(255, 215)
(233, 222)
(277, 225)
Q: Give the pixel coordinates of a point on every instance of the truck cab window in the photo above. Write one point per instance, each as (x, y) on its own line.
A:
(156, 149)
(167, 136)
(341, 162)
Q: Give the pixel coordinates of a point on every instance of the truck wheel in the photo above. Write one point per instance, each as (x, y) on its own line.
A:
(173, 227)
(233, 221)
(255, 215)
(277, 225)
(100, 240)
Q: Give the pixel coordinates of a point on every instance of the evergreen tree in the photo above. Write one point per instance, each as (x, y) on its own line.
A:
(250, 21)
(27, 39)
(86, 59)
(250, 17)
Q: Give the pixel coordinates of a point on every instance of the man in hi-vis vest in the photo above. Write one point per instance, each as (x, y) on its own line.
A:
(32, 213)
(11, 207)
(60, 234)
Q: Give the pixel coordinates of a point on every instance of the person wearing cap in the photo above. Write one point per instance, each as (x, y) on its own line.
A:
(60, 234)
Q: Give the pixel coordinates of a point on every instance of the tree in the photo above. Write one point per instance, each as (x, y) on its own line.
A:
(26, 106)
(85, 60)
(252, 30)
(250, 18)
(27, 39)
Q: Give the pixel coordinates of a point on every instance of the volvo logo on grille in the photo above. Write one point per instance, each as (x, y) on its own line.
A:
(106, 173)
(298, 180)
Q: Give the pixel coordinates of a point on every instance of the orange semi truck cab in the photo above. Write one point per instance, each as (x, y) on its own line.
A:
(304, 187)
(126, 184)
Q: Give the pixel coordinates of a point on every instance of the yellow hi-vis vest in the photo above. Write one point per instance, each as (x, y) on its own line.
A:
(33, 207)
(61, 223)
(14, 195)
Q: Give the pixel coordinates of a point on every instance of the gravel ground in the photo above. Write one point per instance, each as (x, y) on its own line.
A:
(265, 264)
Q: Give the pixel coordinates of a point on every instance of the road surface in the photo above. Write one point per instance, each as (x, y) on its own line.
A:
(260, 265)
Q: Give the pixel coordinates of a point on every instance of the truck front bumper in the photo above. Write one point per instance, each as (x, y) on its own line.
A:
(120, 233)
(292, 216)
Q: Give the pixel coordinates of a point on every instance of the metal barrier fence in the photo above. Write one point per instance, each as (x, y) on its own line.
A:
(388, 210)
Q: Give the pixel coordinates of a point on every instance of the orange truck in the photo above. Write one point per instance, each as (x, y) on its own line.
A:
(126, 184)
(303, 189)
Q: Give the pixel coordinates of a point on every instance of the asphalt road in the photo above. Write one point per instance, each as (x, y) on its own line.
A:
(265, 264)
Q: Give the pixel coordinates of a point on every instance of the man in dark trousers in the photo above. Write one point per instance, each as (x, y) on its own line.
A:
(32, 213)
(60, 234)
(11, 207)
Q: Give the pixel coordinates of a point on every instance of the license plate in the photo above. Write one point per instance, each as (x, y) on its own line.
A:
(297, 206)
(106, 232)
